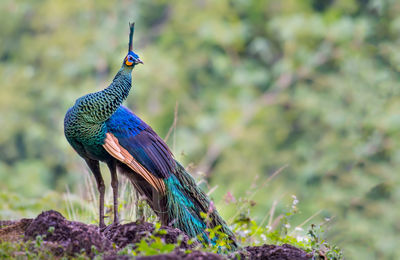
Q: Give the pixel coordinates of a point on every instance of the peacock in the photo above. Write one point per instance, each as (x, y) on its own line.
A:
(100, 129)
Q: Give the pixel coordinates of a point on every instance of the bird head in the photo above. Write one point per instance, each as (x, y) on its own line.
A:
(131, 59)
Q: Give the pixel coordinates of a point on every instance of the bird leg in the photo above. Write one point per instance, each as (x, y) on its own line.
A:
(114, 184)
(94, 167)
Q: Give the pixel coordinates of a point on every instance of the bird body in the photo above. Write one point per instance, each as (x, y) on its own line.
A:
(99, 128)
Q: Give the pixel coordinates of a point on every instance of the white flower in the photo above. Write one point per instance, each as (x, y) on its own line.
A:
(302, 239)
(295, 200)
(264, 238)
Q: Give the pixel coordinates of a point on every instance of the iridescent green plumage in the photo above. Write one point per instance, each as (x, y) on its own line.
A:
(85, 122)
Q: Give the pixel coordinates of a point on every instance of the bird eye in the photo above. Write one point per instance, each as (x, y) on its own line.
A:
(129, 60)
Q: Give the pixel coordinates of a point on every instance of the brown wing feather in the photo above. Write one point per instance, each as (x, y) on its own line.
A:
(112, 146)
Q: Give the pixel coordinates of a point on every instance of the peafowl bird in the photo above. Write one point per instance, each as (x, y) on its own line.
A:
(99, 128)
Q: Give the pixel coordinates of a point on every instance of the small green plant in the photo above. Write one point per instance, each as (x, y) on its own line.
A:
(51, 230)
(320, 247)
(96, 252)
(153, 244)
(249, 233)
(38, 242)
(25, 250)
(128, 250)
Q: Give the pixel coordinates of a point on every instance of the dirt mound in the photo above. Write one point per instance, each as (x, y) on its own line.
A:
(273, 252)
(64, 237)
(13, 230)
(133, 232)
(181, 255)
(73, 237)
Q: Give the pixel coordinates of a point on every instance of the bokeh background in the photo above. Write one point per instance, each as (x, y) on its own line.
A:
(308, 85)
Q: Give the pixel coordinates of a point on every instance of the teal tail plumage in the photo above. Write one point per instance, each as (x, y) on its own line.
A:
(189, 209)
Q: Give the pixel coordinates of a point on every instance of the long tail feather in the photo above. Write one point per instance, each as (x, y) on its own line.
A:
(185, 203)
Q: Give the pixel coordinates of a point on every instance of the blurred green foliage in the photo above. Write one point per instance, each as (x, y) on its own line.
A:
(259, 84)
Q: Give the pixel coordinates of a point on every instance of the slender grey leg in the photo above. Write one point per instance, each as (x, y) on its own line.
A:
(94, 167)
(114, 184)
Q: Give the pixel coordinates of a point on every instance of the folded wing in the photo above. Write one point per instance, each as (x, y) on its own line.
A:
(134, 143)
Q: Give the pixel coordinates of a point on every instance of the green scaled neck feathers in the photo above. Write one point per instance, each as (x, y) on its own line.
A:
(99, 106)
